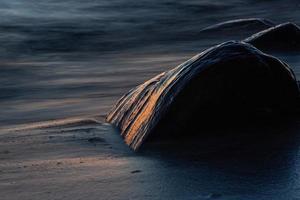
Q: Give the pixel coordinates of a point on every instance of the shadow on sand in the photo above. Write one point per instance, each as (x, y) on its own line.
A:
(259, 160)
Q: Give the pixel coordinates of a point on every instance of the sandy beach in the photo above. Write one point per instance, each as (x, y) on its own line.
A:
(89, 160)
(63, 66)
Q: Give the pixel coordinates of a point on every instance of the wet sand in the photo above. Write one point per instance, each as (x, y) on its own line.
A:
(88, 160)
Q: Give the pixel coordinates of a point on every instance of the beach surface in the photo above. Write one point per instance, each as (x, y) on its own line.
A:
(86, 159)
(65, 64)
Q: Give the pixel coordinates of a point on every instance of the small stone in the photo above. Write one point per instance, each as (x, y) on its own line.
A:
(135, 171)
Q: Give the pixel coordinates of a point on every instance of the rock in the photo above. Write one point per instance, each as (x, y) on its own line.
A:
(96, 140)
(239, 26)
(230, 82)
(283, 37)
(136, 171)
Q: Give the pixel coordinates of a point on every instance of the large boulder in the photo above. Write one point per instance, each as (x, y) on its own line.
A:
(283, 37)
(230, 82)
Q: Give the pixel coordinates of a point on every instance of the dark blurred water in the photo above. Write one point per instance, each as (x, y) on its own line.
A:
(72, 58)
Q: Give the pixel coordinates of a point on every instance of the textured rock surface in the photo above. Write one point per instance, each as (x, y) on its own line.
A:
(279, 38)
(231, 80)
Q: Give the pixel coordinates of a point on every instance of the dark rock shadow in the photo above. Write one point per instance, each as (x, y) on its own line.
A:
(227, 138)
(258, 159)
